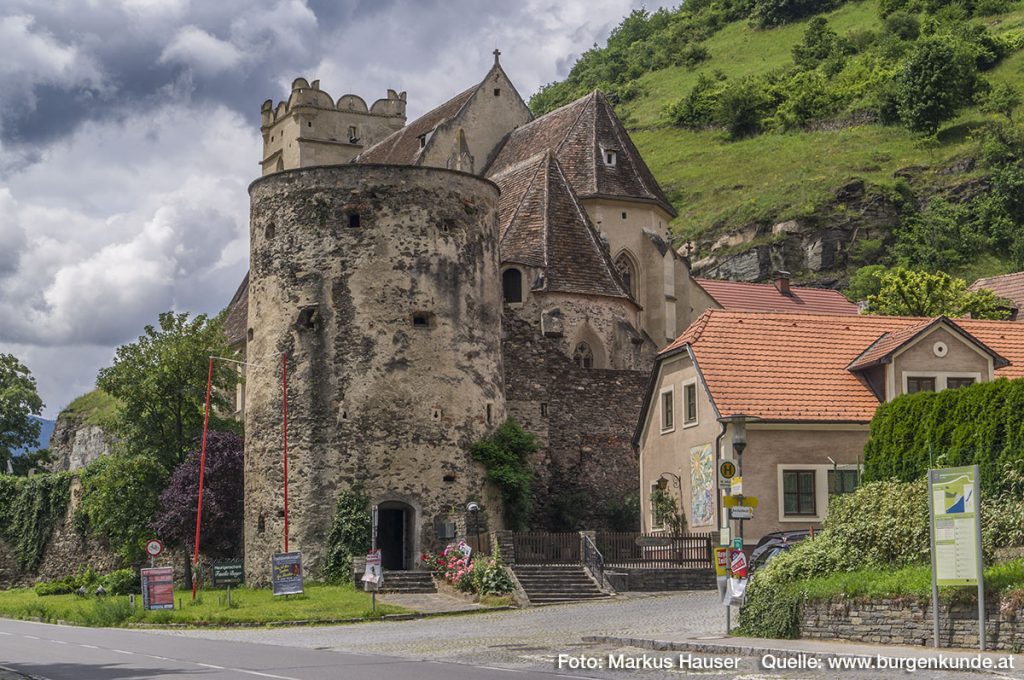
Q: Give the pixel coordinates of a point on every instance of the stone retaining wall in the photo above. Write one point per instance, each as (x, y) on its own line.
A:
(909, 622)
(652, 580)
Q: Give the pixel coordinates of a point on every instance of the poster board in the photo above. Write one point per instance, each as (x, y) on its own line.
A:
(157, 588)
(955, 525)
(286, 573)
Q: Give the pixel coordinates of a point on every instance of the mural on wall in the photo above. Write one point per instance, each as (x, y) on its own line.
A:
(702, 486)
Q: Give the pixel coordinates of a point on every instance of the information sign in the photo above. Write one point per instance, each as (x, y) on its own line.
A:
(286, 573)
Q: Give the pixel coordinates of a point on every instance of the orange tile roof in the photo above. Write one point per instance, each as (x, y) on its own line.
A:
(1009, 286)
(793, 367)
(765, 297)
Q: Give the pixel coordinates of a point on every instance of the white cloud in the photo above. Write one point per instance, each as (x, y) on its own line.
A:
(197, 49)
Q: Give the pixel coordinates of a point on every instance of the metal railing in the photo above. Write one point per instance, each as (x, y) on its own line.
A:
(542, 547)
(593, 560)
(661, 551)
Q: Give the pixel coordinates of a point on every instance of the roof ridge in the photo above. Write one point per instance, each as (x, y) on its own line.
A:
(763, 283)
(588, 99)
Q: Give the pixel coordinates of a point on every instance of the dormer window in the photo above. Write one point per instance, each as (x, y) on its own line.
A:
(423, 141)
(611, 157)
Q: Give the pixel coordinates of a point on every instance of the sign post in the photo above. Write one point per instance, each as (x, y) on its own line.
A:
(373, 575)
(954, 511)
(726, 471)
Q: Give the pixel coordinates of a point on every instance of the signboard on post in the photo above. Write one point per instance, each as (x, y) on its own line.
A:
(228, 573)
(286, 573)
(737, 486)
(742, 512)
(739, 564)
(726, 471)
(721, 561)
(954, 508)
(157, 588)
(373, 575)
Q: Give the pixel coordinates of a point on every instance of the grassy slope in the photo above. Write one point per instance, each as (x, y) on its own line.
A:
(718, 184)
(320, 603)
(92, 408)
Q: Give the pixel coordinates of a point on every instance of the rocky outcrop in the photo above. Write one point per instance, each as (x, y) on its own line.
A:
(76, 443)
(818, 247)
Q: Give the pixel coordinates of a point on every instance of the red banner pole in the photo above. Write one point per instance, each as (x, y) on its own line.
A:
(202, 473)
(284, 414)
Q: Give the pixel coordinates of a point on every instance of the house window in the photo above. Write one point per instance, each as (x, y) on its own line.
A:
(658, 509)
(690, 404)
(512, 285)
(583, 356)
(624, 266)
(842, 481)
(957, 383)
(497, 92)
(917, 384)
(798, 492)
(610, 157)
(667, 414)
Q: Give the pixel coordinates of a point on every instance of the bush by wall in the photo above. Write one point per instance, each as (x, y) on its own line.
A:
(505, 455)
(30, 509)
(982, 424)
(350, 534)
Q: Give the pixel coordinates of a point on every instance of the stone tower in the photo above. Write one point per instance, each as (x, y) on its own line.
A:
(381, 285)
(312, 129)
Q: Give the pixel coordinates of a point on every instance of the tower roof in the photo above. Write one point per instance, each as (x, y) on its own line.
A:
(579, 134)
(542, 224)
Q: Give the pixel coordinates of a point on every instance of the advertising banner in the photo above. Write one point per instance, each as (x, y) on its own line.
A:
(158, 588)
(228, 573)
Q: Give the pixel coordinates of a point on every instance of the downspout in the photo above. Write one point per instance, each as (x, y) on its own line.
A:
(718, 456)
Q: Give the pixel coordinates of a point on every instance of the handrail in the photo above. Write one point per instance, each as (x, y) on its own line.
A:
(594, 560)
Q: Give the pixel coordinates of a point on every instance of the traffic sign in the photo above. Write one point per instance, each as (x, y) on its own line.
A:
(742, 512)
(726, 471)
(737, 543)
(154, 548)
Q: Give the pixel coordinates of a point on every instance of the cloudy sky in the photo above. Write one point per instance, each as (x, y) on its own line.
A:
(129, 130)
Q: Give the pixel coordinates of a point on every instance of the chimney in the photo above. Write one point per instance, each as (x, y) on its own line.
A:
(782, 282)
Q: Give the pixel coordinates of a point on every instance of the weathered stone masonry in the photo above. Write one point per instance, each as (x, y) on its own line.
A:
(381, 284)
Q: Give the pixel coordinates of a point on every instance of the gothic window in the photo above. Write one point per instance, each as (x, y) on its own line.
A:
(512, 285)
(627, 272)
(583, 356)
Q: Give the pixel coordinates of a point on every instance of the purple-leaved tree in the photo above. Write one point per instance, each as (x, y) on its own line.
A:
(223, 507)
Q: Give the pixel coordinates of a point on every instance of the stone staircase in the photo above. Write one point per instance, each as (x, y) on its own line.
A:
(551, 584)
(407, 582)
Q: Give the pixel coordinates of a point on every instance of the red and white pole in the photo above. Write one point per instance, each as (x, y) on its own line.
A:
(202, 474)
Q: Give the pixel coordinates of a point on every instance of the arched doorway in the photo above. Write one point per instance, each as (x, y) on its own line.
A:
(396, 522)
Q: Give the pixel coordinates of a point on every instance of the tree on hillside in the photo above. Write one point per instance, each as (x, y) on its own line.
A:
(160, 381)
(19, 401)
(1001, 99)
(223, 508)
(934, 83)
(905, 292)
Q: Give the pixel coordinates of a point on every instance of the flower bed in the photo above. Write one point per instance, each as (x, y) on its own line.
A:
(478, 574)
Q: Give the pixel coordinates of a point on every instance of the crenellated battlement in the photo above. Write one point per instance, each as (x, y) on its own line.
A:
(311, 128)
(309, 95)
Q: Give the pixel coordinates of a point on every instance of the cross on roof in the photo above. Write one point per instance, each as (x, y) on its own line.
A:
(497, 53)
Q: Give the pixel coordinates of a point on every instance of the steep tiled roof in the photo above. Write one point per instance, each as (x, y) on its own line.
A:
(765, 297)
(576, 133)
(237, 319)
(403, 146)
(543, 225)
(794, 367)
(1009, 286)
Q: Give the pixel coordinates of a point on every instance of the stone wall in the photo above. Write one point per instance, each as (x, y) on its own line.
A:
(75, 444)
(584, 419)
(653, 580)
(907, 621)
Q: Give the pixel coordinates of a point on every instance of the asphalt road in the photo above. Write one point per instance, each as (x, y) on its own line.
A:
(72, 653)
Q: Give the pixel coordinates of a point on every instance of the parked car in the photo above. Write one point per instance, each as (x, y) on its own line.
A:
(772, 544)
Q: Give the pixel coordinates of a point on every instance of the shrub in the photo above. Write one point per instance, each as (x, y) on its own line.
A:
(453, 566)
(85, 578)
(935, 82)
(902, 25)
(505, 455)
(697, 108)
(741, 107)
(819, 43)
(122, 582)
(777, 12)
(351, 533)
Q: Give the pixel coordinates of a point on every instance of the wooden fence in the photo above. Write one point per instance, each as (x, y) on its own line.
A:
(661, 551)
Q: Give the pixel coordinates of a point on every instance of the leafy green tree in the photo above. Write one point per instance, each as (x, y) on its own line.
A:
(777, 12)
(865, 282)
(120, 497)
(160, 381)
(741, 107)
(819, 43)
(1001, 99)
(905, 292)
(697, 108)
(19, 401)
(902, 25)
(934, 83)
(943, 236)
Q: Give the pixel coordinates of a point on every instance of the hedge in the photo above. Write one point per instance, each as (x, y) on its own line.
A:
(982, 424)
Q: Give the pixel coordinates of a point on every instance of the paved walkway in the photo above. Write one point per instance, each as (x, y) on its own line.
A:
(429, 603)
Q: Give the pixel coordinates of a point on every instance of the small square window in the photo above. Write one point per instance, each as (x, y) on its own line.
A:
(624, 216)
(917, 384)
(610, 157)
(497, 92)
(422, 319)
(353, 220)
(798, 492)
(543, 409)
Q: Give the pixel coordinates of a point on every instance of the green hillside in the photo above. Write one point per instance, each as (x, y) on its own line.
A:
(835, 119)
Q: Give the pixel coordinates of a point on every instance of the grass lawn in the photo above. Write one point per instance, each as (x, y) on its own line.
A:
(908, 582)
(319, 603)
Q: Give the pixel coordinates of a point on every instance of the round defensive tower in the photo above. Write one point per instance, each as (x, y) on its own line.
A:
(381, 285)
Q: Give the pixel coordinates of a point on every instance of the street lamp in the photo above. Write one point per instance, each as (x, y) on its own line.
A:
(739, 444)
(474, 509)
